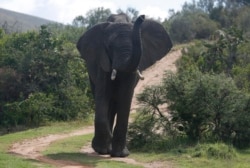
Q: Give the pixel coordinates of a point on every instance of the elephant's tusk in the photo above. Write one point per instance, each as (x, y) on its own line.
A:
(140, 75)
(113, 75)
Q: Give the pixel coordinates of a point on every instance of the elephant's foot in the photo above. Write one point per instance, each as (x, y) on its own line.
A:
(101, 151)
(101, 147)
(123, 153)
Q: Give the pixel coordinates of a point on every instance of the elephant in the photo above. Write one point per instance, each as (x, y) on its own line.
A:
(121, 17)
(114, 53)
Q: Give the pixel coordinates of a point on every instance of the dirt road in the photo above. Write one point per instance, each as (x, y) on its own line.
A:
(32, 148)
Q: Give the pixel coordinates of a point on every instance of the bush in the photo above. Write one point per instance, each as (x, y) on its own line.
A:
(33, 111)
(215, 151)
(187, 26)
(141, 132)
(204, 107)
(42, 77)
(210, 107)
(239, 123)
(151, 133)
(152, 126)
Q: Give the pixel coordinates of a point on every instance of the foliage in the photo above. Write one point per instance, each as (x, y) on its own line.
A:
(242, 77)
(189, 25)
(93, 17)
(69, 33)
(212, 96)
(42, 78)
(208, 106)
(241, 70)
(199, 19)
(132, 13)
(223, 52)
(216, 151)
(142, 132)
(152, 125)
(206, 100)
(32, 111)
(227, 52)
(2, 33)
(205, 107)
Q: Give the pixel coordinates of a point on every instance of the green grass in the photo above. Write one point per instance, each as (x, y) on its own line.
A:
(7, 160)
(216, 155)
(69, 150)
(202, 155)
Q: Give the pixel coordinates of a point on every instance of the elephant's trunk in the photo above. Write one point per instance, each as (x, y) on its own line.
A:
(134, 59)
(136, 43)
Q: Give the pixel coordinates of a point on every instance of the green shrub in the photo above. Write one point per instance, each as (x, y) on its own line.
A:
(204, 107)
(210, 107)
(189, 25)
(33, 111)
(150, 133)
(215, 151)
(141, 132)
(42, 77)
(152, 126)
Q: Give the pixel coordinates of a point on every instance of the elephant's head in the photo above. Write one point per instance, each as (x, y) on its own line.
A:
(120, 18)
(119, 46)
(125, 46)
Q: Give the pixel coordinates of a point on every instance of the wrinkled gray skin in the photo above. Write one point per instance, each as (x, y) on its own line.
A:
(124, 48)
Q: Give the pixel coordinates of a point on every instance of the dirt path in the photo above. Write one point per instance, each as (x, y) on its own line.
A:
(32, 148)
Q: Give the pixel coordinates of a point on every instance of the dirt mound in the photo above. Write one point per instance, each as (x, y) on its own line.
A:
(32, 148)
(154, 74)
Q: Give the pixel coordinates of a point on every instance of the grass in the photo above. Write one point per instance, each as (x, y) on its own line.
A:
(202, 155)
(69, 150)
(7, 160)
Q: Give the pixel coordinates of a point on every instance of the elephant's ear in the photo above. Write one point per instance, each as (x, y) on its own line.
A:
(156, 43)
(92, 49)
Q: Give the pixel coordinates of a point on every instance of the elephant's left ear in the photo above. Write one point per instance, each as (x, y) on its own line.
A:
(156, 43)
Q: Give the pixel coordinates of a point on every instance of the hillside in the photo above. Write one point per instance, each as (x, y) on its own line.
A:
(19, 22)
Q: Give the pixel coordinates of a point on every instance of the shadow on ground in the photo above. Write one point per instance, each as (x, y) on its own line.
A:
(91, 161)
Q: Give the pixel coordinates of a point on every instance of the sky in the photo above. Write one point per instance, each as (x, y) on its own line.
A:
(64, 11)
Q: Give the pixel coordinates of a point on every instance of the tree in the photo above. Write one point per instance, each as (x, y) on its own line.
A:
(93, 17)
(79, 21)
(206, 5)
(97, 15)
(2, 33)
(131, 12)
(70, 33)
(190, 24)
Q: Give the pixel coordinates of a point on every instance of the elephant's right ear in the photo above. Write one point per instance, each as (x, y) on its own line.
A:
(92, 49)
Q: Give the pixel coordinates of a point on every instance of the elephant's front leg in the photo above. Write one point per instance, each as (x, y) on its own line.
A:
(101, 142)
(123, 103)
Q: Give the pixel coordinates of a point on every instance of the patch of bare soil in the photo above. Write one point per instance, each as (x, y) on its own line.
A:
(154, 74)
(32, 148)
